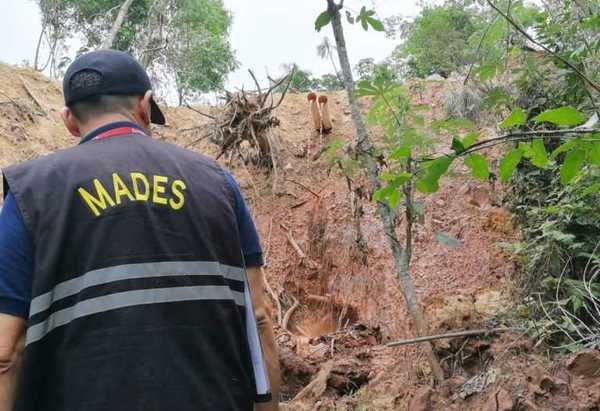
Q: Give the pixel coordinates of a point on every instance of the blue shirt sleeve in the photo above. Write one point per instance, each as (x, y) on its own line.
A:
(16, 261)
(248, 234)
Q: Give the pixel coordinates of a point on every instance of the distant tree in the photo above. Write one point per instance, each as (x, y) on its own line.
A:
(437, 40)
(325, 51)
(187, 40)
(331, 82)
(367, 69)
(201, 56)
(302, 80)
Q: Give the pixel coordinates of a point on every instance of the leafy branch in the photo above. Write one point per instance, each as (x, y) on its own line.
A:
(513, 23)
(365, 17)
(516, 136)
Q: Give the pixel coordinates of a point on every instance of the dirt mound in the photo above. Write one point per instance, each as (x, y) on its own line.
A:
(335, 304)
(29, 115)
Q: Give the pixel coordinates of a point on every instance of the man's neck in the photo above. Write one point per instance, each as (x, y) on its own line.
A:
(101, 121)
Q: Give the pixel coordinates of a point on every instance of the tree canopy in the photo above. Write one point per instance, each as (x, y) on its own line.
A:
(185, 39)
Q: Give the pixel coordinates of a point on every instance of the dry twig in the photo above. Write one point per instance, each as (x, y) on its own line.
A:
(451, 335)
(288, 314)
(34, 98)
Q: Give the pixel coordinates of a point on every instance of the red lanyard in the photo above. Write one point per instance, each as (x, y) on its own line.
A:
(118, 132)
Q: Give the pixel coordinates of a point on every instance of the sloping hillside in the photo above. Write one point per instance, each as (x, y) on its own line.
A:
(339, 305)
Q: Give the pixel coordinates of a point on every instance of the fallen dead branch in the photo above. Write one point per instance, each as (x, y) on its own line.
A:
(34, 98)
(456, 334)
(318, 385)
(319, 298)
(274, 296)
(302, 186)
(303, 257)
(293, 242)
(299, 204)
(288, 314)
(200, 112)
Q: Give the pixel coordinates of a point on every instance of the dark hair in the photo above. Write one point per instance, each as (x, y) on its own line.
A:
(100, 104)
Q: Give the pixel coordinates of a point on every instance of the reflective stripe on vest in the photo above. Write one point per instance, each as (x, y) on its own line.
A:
(133, 297)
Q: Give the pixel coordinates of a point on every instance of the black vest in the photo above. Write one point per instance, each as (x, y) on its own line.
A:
(138, 290)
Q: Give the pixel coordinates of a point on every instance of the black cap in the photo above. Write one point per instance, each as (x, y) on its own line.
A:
(119, 73)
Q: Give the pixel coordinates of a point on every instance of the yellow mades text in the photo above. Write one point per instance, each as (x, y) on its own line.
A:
(130, 188)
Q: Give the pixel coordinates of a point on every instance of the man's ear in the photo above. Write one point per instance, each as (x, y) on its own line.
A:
(70, 121)
(143, 108)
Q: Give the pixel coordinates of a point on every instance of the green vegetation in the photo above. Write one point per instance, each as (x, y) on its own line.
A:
(437, 40)
(537, 71)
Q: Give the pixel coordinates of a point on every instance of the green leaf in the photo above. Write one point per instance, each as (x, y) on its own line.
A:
(594, 153)
(487, 71)
(540, 156)
(564, 147)
(516, 118)
(323, 20)
(478, 165)
(447, 239)
(383, 193)
(365, 88)
(454, 124)
(577, 303)
(572, 165)
(508, 164)
(364, 24)
(496, 97)
(457, 145)
(401, 152)
(429, 183)
(564, 116)
(401, 178)
(535, 152)
(394, 199)
(376, 24)
(470, 139)
(594, 188)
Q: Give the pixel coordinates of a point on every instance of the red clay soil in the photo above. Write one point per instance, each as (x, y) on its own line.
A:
(349, 303)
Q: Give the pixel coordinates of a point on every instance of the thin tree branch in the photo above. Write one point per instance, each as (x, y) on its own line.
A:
(533, 134)
(518, 136)
(258, 89)
(201, 113)
(287, 87)
(121, 16)
(303, 186)
(452, 335)
(582, 75)
(483, 36)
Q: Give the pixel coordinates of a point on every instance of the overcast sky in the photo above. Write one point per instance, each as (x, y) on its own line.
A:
(265, 34)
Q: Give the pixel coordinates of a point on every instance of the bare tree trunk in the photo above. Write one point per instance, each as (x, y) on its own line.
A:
(180, 96)
(112, 36)
(335, 70)
(153, 31)
(364, 148)
(37, 48)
